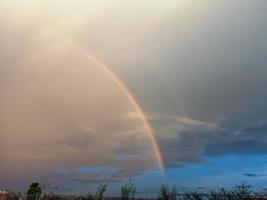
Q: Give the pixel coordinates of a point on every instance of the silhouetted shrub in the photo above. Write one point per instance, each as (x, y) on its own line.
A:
(166, 194)
(99, 194)
(238, 192)
(128, 191)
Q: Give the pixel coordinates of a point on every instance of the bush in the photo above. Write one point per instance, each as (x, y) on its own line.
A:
(166, 194)
(128, 191)
(238, 192)
(99, 194)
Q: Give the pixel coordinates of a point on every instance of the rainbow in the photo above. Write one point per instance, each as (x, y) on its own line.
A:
(128, 94)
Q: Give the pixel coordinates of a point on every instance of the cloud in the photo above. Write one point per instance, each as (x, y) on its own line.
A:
(100, 177)
(183, 140)
(187, 140)
(89, 174)
(249, 140)
(253, 175)
(187, 123)
(52, 116)
(198, 71)
(133, 116)
(212, 69)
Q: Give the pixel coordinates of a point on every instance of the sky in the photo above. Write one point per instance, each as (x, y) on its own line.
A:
(104, 91)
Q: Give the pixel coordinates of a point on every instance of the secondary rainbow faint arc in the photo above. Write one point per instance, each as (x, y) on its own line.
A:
(130, 97)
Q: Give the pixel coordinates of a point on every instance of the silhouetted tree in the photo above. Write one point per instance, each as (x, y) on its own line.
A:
(242, 191)
(221, 194)
(34, 191)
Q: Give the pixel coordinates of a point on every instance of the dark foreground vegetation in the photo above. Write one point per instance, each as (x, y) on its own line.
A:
(242, 191)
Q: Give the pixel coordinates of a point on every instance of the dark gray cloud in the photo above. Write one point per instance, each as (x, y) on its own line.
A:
(191, 143)
(183, 140)
(219, 67)
(207, 64)
(248, 140)
(213, 69)
(253, 175)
